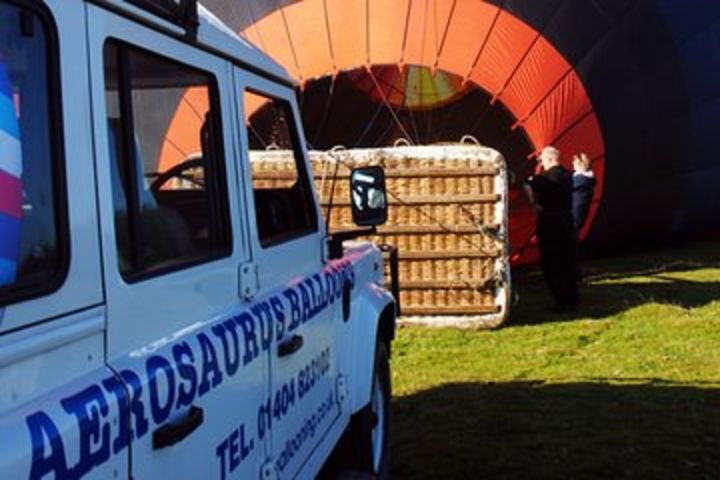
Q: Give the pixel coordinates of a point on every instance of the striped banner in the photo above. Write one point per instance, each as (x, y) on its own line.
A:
(10, 181)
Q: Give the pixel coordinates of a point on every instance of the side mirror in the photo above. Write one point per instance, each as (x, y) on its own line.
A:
(368, 196)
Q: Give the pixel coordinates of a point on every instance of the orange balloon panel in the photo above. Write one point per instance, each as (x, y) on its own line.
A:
(509, 42)
(312, 62)
(564, 106)
(252, 102)
(183, 136)
(582, 138)
(469, 26)
(276, 42)
(538, 74)
(348, 32)
(386, 19)
(426, 27)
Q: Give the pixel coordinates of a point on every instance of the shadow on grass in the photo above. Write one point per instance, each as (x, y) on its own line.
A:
(604, 294)
(527, 430)
(601, 301)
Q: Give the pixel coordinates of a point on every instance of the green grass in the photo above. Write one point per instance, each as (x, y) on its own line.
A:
(629, 387)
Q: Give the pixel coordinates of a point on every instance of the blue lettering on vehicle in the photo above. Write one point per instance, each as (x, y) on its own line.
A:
(233, 450)
(192, 368)
(272, 411)
(308, 430)
(279, 405)
(188, 380)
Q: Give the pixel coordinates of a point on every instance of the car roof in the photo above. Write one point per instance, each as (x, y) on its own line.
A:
(212, 33)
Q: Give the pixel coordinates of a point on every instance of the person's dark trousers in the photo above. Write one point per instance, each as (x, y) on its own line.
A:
(558, 252)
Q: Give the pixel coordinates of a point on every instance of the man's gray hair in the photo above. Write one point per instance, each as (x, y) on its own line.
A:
(551, 152)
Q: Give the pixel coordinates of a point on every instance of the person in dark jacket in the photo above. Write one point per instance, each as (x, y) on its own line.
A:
(550, 193)
(583, 190)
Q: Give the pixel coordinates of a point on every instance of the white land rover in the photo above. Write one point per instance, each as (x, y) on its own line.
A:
(163, 313)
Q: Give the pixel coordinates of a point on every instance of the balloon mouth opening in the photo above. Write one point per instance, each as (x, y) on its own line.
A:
(410, 87)
(372, 107)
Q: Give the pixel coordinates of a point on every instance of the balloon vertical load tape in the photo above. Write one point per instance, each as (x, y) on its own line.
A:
(10, 181)
(442, 200)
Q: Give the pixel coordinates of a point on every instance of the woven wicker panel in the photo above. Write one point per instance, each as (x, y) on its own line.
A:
(437, 210)
(437, 242)
(454, 301)
(465, 271)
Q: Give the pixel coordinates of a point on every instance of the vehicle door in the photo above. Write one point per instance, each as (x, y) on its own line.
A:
(286, 239)
(173, 244)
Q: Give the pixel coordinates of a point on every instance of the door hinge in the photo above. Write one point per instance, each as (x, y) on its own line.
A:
(342, 389)
(249, 281)
(268, 472)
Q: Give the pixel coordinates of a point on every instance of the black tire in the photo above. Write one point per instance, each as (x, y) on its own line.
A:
(355, 452)
(372, 458)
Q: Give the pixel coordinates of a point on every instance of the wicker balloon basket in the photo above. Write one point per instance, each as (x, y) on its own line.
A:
(447, 216)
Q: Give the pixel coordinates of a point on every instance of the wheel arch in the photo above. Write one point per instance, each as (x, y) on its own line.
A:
(373, 316)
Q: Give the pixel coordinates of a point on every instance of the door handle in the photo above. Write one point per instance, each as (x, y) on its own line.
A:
(172, 433)
(290, 346)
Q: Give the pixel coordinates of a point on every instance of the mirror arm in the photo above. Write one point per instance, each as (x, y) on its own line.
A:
(336, 240)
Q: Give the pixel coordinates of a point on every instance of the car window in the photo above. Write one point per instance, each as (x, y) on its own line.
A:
(32, 223)
(168, 178)
(284, 203)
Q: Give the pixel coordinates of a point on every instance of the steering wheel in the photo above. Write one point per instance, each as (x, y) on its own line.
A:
(178, 171)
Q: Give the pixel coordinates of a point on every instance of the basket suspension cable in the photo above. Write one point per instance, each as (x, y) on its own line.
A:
(187, 102)
(367, 32)
(375, 115)
(429, 112)
(423, 38)
(177, 148)
(370, 124)
(291, 44)
(378, 142)
(446, 121)
(325, 164)
(334, 65)
(387, 103)
(481, 118)
(326, 111)
(411, 115)
(329, 37)
(338, 160)
(255, 25)
(257, 135)
(405, 32)
(446, 30)
(439, 40)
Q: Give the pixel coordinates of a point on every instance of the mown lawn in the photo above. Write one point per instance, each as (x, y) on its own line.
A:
(627, 388)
